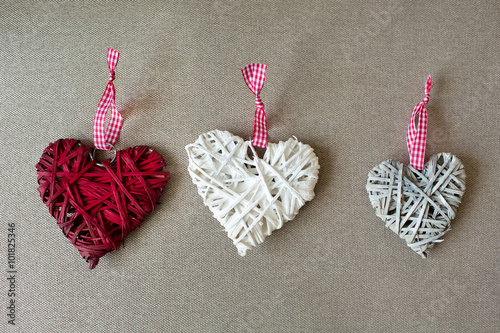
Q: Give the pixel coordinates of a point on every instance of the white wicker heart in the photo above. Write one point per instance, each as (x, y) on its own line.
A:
(418, 205)
(249, 196)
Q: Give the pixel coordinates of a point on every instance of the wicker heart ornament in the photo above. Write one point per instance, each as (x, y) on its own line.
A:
(418, 201)
(98, 204)
(418, 205)
(249, 196)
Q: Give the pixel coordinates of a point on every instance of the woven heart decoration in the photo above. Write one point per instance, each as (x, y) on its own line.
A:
(249, 196)
(418, 205)
(418, 201)
(98, 204)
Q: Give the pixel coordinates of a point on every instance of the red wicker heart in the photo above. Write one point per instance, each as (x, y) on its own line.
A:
(98, 206)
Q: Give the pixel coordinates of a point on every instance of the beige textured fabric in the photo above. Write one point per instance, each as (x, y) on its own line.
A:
(343, 77)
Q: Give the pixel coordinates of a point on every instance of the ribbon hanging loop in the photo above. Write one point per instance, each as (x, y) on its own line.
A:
(254, 76)
(416, 136)
(105, 138)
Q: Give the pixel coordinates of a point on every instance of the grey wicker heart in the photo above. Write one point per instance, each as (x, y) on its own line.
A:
(418, 205)
(249, 196)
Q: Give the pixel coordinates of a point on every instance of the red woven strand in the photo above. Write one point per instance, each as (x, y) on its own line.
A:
(106, 138)
(97, 207)
(254, 76)
(416, 136)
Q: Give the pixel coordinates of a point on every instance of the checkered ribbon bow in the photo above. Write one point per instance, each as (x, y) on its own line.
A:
(106, 138)
(417, 136)
(254, 76)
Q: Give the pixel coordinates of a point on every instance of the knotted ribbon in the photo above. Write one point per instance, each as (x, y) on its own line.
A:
(417, 135)
(254, 76)
(106, 138)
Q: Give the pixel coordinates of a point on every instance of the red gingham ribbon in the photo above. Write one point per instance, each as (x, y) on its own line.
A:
(254, 76)
(416, 137)
(106, 138)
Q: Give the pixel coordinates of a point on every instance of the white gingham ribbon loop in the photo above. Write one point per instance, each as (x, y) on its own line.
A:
(105, 138)
(254, 76)
(416, 136)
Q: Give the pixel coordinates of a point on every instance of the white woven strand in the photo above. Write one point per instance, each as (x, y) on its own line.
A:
(249, 196)
(418, 205)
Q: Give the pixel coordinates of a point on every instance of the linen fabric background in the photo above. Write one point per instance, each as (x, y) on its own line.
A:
(343, 76)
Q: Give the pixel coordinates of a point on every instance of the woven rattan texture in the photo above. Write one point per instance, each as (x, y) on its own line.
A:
(418, 205)
(252, 197)
(98, 206)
